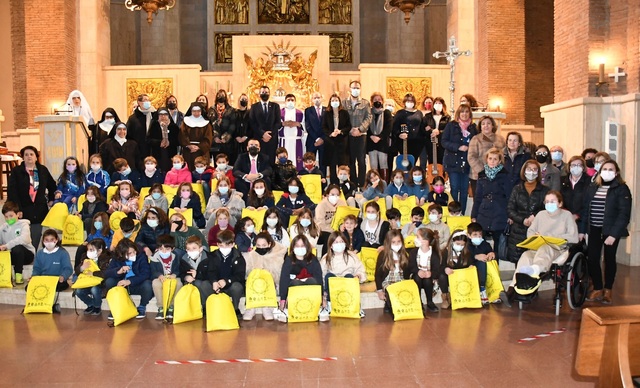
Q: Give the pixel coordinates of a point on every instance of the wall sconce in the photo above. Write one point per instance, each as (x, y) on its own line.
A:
(601, 79)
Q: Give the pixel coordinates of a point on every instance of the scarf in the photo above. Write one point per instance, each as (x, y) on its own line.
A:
(34, 183)
(148, 113)
(464, 125)
(492, 171)
(378, 122)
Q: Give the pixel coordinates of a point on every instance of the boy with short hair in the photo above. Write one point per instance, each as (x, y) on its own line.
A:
(456, 220)
(223, 168)
(191, 272)
(53, 260)
(309, 167)
(417, 216)
(202, 174)
(129, 229)
(354, 235)
(283, 170)
(436, 224)
(124, 173)
(15, 236)
(151, 174)
(394, 216)
(482, 253)
(164, 265)
(347, 187)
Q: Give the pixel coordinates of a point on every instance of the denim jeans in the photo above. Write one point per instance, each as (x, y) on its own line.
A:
(91, 296)
(144, 290)
(459, 188)
(326, 282)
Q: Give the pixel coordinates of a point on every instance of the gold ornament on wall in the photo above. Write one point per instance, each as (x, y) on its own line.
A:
(158, 89)
(334, 11)
(232, 11)
(283, 11)
(398, 87)
(340, 47)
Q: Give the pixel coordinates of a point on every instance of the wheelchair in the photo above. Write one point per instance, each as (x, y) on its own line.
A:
(570, 274)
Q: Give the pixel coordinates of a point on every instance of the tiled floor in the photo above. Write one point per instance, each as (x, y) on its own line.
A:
(466, 348)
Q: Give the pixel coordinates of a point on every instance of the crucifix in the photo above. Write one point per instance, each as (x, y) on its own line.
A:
(617, 74)
(451, 55)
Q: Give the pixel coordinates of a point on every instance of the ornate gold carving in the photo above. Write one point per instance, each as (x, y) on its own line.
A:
(283, 11)
(397, 87)
(224, 48)
(232, 11)
(158, 90)
(334, 12)
(340, 47)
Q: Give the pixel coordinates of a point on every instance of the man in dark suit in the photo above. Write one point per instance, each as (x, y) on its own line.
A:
(265, 121)
(313, 125)
(246, 162)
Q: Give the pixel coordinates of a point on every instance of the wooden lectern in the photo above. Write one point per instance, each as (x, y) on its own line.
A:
(60, 137)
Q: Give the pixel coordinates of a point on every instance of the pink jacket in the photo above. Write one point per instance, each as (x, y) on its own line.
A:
(175, 177)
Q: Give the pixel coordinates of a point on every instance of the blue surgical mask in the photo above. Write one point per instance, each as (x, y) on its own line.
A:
(127, 171)
(458, 248)
(556, 156)
(177, 166)
(223, 189)
(305, 222)
(417, 178)
(146, 105)
(199, 170)
(97, 225)
(294, 189)
(127, 235)
(156, 196)
(283, 160)
(477, 240)
(551, 207)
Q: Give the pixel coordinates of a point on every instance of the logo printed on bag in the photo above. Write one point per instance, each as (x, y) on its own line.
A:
(259, 285)
(40, 292)
(344, 298)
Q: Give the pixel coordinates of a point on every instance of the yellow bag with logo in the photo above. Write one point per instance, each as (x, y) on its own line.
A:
(169, 286)
(341, 213)
(85, 279)
(41, 294)
(220, 313)
(144, 193)
(187, 306)
(382, 202)
(73, 231)
(169, 192)
(81, 200)
(345, 297)
(465, 289)
(458, 222)
(312, 186)
(405, 300)
(369, 257)
(188, 215)
(304, 303)
(5, 269)
(121, 305)
(199, 189)
(493, 284)
(260, 290)
(111, 190)
(57, 216)
(277, 194)
(405, 205)
(257, 215)
(114, 220)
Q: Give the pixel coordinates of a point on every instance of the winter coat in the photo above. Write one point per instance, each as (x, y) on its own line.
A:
(573, 196)
(478, 146)
(490, 201)
(18, 192)
(617, 210)
(176, 177)
(522, 205)
(147, 236)
(272, 261)
(157, 268)
(233, 202)
(513, 166)
(455, 160)
(140, 267)
(194, 204)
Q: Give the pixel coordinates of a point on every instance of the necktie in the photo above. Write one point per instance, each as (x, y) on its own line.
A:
(264, 107)
(318, 111)
(254, 167)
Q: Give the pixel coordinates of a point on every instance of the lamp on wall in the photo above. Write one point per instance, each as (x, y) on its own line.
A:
(149, 6)
(406, 6)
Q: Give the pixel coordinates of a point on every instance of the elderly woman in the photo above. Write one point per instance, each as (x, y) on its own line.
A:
(118, 146)
(515, 154)
(574, 186)
(479, 145)
(163, 139)
(195, 135)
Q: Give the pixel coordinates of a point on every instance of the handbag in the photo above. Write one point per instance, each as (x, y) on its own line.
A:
(502, 248)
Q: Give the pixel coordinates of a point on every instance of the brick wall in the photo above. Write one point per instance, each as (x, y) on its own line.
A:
(45, 56)
(571, 49)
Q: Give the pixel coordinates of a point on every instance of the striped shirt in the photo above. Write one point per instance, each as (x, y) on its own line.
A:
(596, 215)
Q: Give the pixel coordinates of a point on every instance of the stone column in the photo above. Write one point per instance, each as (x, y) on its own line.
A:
(160, 41)
(94, 52)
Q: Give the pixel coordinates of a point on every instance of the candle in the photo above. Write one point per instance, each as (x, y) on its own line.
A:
(498, 108)
(204, 87)
(228, 85)
(217, 87)
(601, 74)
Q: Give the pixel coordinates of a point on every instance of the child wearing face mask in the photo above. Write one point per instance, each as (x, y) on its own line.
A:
(94, 203)
(347, 187)
(373, 226)
(99, 229)
(309, 167)
(181, 232)
(151, 174)
(437, 194)
(437, 225)
(456, 256)
(186, 199)
(97, 177)
(269, 256)
(223, 197)
(482, 253)
(305, 225)
(202, 175)
(246, 234)
(353, 236)
(260, 197)
(425, 264)
(392, 266)
(376, 187)
(15, 237)
(179, 173)
(97, 253)
(124, 173)
(224, 169)
(283, 170)
(418, 185)
(71, 184)
(129, 229)
(154, 224)
(125, 200)
(394, 216)
(325, 211)
(273, 225)
(53, 260)
(164, 265)
(156, 198)
(397, 188)
(417, 216)
(293, 201)
(222, 224)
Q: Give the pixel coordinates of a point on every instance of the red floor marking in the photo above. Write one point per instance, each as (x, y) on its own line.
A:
(542, 335)
(244, 360)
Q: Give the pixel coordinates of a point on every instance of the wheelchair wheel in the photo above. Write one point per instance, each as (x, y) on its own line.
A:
(577, 281)
(558, 305)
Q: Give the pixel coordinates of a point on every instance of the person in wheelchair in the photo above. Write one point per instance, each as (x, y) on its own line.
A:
(554, 221)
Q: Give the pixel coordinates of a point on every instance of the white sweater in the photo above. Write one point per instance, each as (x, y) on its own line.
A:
(560, 224)
(17, 234)
(341, 268)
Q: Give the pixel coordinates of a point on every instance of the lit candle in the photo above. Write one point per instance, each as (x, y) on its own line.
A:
(337, 86)
(497, 108)
(601, 78)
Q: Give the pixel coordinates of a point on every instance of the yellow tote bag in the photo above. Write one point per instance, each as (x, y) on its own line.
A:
(73, 231)
(121, 305)
(5, 269)
(111, 190)
(144, 193)
(292, 219)
(312, 186)
(220, 313)
(261, 289)
(410, 241)
(383, 207)
(465, 289)
(405, 206)
(345, 297)
(493, 284)
(276, 195)
(369, 257)
(458, 222)
(41, 294)
(199, 189)
(341, 213)
(187, 305)
(114, 220)
(188, 215)
(85, 280)
(168, 291)
(535, 242)
(256, 215)
(81, 200)
(169, 192)
(304, 303)
(57, 216)
(405, 300)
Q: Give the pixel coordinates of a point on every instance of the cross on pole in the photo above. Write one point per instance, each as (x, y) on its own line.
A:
(617, 74)
(451, 55)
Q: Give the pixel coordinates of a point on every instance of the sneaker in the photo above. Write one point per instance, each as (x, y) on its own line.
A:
(329, 306)
(88, 310)
(159, 315)
(483, 297)
(96, 311)
(19, 279)
(280, 315)
(56, 308)
(324, 315)
(248, 314)
(110, 317)
(267, 314)
(362, 315)
(142, 312)
(170, 313)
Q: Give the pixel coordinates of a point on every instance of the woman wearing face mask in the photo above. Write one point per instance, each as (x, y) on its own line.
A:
(269, 256)
(196, 135)
(605, 219)
(104, 126)
(171, 103)
(425, 264)
(119, 145)
(339, 262)
(433, 123)
(588, 156)
(154, 224)
(185, 199)
(139, 124)
(293, 201)
(92, 296)
(392, 266)
(598, 160)
(378, 136)
(223, 197)
(163, 139)
(515, 154)
(305, 225)
(478, 146)
(373, 226)
(456, 256)
(574, 186)
(223, 121)
(407, 125)
(243, 131)
(549, 173)
(336, 125)
(526, 200)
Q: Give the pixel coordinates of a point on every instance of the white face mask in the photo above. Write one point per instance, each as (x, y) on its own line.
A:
(95, 167)
(608, 176)
(333, 199)
(335, 104)
(299, 251)
(199, 170)
(225, 251)
(92, 255)
(409, 105)
(433, 217)
(259, 192)
(339, 247)
(396, 247)
(193, 254)
(153, 223)
(530, 175)
(222, 166)
(576, 170)
(458, 248)
(50, 245)
(305, 222)
(398, 181)
(110, 121)
(290, 104)
(417, 243)
(177, 166)
(132, 258)
(343, 177)
(250, 229)
(150, 167)
(437, 107)
(372, 216)
(355, 92)
(272, 222)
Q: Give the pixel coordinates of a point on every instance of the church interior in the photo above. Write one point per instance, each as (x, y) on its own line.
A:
(559, 72)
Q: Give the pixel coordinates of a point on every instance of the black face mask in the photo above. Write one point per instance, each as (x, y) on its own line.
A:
(178, 224)
(244, 103)
(221, 100)
(590, 163)
(377, 105)
(417, 223)
(262, 251)
(253, 150)
(172, 105)
(264, 97)
(541, 158)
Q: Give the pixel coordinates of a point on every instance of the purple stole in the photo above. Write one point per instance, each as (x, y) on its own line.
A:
(299, 146)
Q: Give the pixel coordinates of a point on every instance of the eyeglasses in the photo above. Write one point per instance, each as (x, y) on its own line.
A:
(544, 153)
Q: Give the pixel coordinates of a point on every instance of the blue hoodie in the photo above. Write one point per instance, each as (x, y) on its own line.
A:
(56, 263)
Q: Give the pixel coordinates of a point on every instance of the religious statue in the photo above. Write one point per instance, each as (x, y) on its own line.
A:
(334, 12)
(232, 11)
(283, 11)
(242, 10)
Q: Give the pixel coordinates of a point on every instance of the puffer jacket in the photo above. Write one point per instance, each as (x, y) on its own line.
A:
(617, 210)
(573, 196)
(513, 166)
(521, 206)
(490, 201)
(147, 236)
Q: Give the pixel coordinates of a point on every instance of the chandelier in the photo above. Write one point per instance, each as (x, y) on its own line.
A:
(406, 6)
(149, 6)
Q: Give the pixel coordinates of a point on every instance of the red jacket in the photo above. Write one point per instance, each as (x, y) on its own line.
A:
(175, 177)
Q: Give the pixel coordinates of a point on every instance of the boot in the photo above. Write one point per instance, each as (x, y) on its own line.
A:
(606, 299)
(508, 296)
(595, 295)
(384, 174)
(446, 301)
